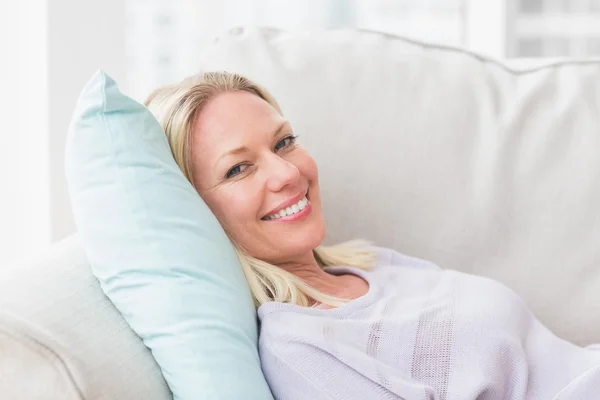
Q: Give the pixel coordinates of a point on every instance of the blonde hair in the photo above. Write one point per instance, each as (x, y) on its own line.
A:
(176, 107)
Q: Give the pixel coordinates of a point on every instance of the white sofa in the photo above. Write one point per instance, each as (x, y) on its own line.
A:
(437, 152)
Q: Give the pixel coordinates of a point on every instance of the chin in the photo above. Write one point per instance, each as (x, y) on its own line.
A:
(302, 243)
(314, 238)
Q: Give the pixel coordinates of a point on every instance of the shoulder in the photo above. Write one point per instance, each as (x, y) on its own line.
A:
(386, 257)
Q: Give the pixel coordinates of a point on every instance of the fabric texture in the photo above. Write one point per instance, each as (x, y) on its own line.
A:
(62, 339)
(421, 333)
(460, 159)
(159, 253)
(22, 359)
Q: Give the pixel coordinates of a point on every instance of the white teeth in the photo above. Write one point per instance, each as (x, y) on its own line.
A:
(301, 205)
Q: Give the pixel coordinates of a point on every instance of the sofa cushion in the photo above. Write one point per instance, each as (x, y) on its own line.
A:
(61, 338)
(448, 155)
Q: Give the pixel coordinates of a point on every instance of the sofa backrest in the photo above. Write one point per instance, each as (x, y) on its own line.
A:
(448, 156)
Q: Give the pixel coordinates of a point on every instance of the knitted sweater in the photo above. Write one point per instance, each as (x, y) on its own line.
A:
(421, 333)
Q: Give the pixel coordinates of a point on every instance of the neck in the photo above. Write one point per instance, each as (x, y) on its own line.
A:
(307, 268)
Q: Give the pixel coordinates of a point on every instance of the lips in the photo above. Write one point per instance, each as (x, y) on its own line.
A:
(288, 203)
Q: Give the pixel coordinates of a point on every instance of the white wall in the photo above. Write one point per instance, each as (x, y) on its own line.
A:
(24, 179)
(83, 35)
(487, 27)
(49, 50)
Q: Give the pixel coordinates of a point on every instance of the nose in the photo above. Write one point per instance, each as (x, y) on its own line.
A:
(280, 173)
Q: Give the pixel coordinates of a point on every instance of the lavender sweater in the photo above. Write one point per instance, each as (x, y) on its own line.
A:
(421, 333)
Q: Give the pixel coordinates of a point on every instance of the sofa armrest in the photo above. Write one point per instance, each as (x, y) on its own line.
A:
(29, 368)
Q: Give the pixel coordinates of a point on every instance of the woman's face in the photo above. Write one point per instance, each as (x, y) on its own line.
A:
(248, 168)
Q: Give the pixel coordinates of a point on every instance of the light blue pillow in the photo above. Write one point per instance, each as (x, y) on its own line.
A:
(159, 253)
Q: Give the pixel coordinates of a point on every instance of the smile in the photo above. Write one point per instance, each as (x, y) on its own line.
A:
(296, 208)
(293, 209)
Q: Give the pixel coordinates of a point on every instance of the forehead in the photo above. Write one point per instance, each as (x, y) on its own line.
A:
(233, 117)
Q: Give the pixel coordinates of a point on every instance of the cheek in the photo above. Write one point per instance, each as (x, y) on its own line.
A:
(242, 207)
(236, 207)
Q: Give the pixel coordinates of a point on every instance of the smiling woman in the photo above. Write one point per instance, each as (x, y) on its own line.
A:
(350, 331)
(230, 139)
(270, 175)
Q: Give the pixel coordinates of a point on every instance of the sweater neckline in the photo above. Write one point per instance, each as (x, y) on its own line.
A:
(352, 305)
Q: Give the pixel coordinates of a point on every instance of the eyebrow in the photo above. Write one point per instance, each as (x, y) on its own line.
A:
(243, 149)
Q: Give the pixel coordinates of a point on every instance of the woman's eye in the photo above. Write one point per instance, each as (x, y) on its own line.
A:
(287, 141)
(238, 169)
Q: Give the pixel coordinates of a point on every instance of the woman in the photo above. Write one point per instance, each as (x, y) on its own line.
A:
(350, 321)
